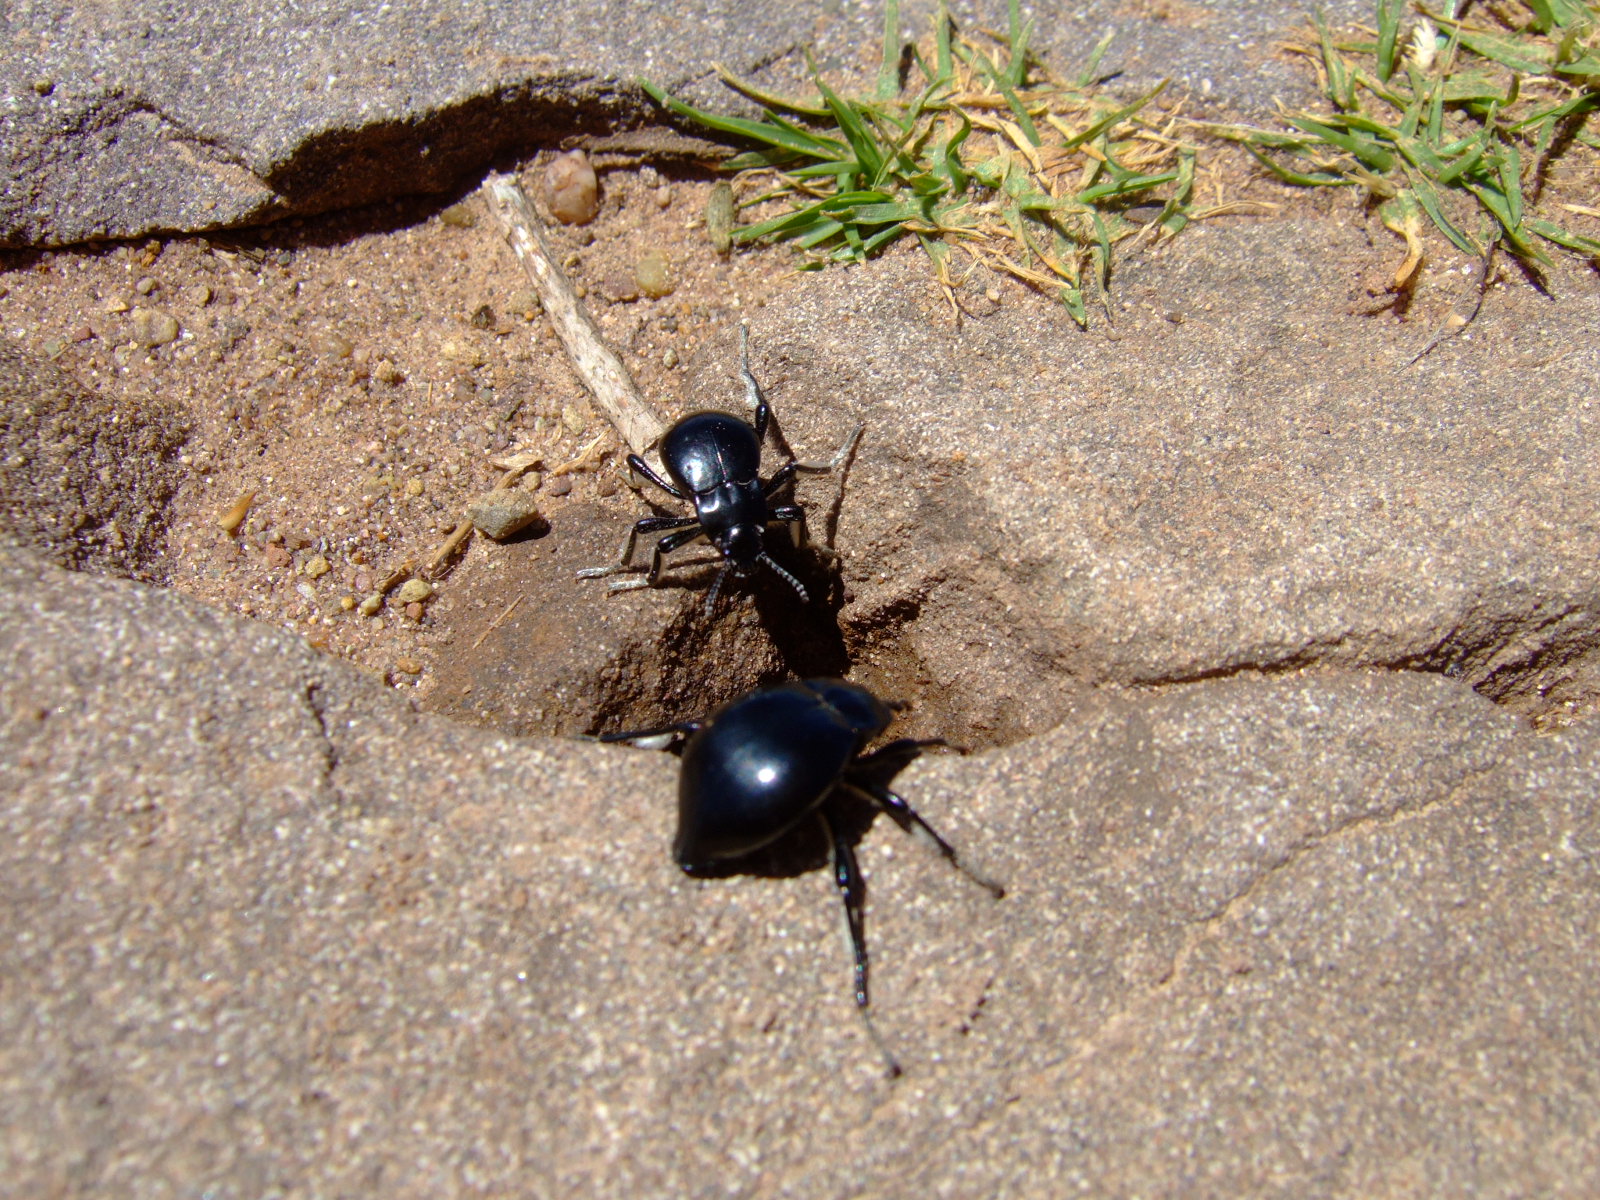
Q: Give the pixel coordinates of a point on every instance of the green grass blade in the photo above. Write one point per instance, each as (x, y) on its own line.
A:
(941, 44)
(1300, 179)
(856, 133)
(1572, 241)
(1017, 42)
(1129, 186)
(790, 138)
(1389, 12)
(1368, 152)
(1429, 199)
(754, 91)
(1111, 119)
(1086, 76)
(889, 65)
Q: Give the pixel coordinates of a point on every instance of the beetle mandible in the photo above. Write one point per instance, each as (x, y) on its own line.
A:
(714, 461)
(765, 762)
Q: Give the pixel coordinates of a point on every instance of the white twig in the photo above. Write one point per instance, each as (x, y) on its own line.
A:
(601, 370)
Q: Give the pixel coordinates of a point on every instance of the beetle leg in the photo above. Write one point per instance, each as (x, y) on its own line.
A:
(912, 822)
(673, 733)
(795, 517)
(687, 530)
(625, 559)
(752, 389)
(840, 456)
(638, 466)
(853, 891)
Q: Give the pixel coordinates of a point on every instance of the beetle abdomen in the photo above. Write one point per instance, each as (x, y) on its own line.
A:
(756, 769)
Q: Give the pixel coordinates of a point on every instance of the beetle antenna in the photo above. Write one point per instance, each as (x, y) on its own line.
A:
(805, 597)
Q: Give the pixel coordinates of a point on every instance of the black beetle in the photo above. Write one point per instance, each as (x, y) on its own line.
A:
(714, 460)
(766, 761)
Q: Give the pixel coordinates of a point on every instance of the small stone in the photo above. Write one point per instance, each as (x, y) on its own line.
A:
(414, 611)
(152, 327)
(371, 606)
(408, 666)
(316, 567)
(387, 372)
(573, 418)
(654, 274)
(197, 294)
(719, 217)
(669, 359)
(571, 189)
(44, 86)
(482, 317)
(145, 285)
(347, 603)
(559, 487)
(277, 556)
(501, 514)
(524, 304)
(459, 216)
(468, 354)
(664, 196)
(414, 591)
(117, 305)
(331, 345)
(415, 487)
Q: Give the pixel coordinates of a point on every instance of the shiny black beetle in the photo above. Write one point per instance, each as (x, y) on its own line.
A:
(767, 761)
(714, 461)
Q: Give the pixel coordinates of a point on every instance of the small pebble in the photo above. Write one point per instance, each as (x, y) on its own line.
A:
(44, 86)
(371, 606)
(664, 196)
(331, 345)
(459, 216)
(347, 603)
(277, 556)
(571, 189)
(501, 514)
(414, 610)
(654, 274)
(482, 317)
(524, 304)
(992, 295)
(152, 327)
(145, 285)
(408, 666)
(415, 487)
(670, 358)
(117, 305)
(316, 567)
(387, 372)
(560, 486)
(606, 485)
(573, 418)
(414, 591)
(197, 294)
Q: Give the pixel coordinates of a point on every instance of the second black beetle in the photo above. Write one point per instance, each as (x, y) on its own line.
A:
(781, 755)
(714, 462)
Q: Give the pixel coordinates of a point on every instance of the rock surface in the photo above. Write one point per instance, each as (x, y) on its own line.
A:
(126, 119)
(269, 929)
(1240, 474)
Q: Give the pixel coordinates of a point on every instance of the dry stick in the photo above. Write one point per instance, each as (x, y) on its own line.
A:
(601, 371)
(496, 623)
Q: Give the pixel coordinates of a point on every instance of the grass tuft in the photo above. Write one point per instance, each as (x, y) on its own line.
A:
(1448, 119)
(983, 156)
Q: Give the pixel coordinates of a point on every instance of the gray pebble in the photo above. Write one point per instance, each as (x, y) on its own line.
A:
(501, 514)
